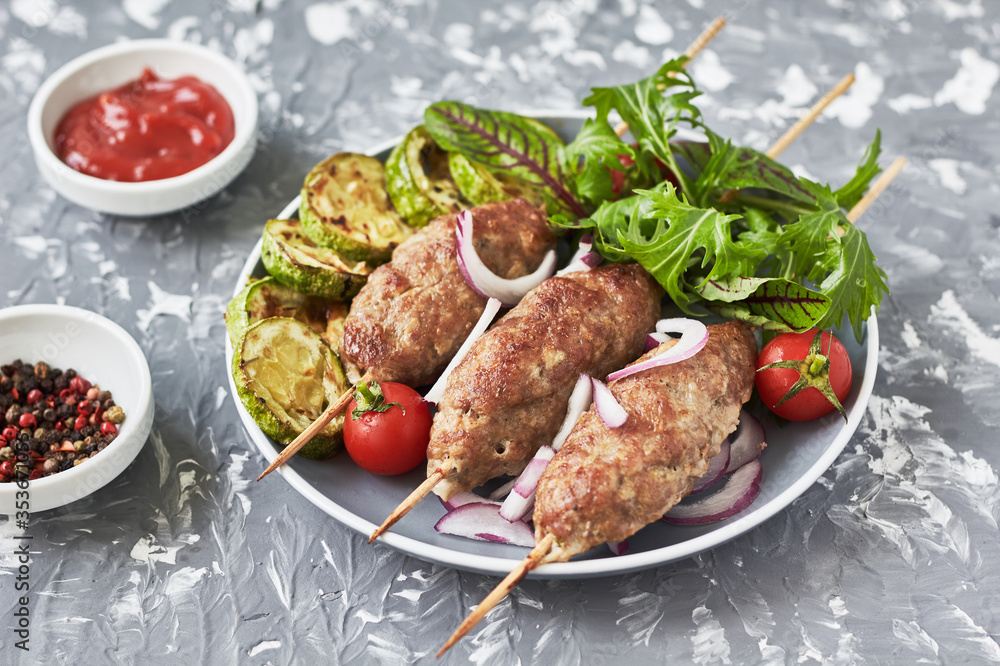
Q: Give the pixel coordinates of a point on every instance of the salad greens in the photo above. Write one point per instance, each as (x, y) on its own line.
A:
(720, 226)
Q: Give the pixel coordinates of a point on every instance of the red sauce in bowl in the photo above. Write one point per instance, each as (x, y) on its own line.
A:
(147, 129)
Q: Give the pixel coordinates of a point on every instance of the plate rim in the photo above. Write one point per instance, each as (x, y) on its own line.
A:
(590, 568)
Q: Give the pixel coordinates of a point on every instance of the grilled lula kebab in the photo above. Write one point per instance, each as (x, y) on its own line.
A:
(509, 394)
(415, 311)
(604, 484)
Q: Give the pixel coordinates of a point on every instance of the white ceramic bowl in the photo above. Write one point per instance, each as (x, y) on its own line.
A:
(111, 66)
(102, 352)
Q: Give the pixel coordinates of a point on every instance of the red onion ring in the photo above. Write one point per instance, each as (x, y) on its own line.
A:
(694, 335)
(489, 312)
(607, 407)
(482, 522)
(522, 495)
(747, 442)
(582, 263)
(654, 340)
(717, 467)
(618, 547)
(579, 402)
(739, 491)
(461, 499)
(485, 282)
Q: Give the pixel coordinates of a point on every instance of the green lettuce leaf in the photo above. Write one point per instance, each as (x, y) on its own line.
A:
(850, 194)
(809, 238)
(854, 284)
(594, 151)
(652, 107)
(683, 237)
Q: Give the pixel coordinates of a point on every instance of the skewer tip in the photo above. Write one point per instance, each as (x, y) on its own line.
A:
(534, 558)
(413, 498)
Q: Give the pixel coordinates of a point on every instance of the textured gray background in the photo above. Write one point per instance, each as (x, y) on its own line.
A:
(893, 557)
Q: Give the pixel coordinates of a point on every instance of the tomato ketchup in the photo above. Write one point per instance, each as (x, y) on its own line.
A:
(147, 129)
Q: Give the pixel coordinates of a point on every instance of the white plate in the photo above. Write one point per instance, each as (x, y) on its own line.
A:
(797, 454)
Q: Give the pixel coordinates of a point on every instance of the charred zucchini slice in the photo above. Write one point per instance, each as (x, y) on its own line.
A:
(292, 258)
(286, 375)
(479, 186)
(262, 299)
(345, 207)
(419, 180)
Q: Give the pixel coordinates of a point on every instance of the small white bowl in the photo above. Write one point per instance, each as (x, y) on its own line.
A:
(111, 66)
(102, 352)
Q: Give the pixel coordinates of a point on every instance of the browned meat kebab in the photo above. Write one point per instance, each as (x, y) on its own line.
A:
(509, 395)
(415, 312)
(606, 484)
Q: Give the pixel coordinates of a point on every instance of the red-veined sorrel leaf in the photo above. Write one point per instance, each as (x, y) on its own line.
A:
(506, 143)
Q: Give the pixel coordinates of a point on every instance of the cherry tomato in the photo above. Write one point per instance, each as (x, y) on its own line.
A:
(799, 369)
(393, 441)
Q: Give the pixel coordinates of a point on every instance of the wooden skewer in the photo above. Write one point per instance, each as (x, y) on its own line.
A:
(414, 498)
(876, 189)
(533, 559)
(805, 121)
(795, 130)
(324, 419)
(700, 42)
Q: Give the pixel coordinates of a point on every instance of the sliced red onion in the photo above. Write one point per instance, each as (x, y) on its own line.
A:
(613, 415)
(528, 481)
(502, 491)
(717, 467)
(747, 442)
(522, 496)
(654, 340)
(582, 263)
(579, 402)
(485, 282)
(482, 521)
(694, 335)
(461, 499)
(739, 491)
(489, 312)
(618, 547)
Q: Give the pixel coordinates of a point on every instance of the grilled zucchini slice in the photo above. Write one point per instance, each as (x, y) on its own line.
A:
(419, 180)
(345, 207)
(265, 298)
(285, 376)
(294, 259)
